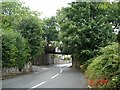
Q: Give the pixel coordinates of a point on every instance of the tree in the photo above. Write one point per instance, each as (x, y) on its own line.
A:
(15, 48)
(50, 28)
(31, 29)
(84, 27)
(26, 23)
(12, 13)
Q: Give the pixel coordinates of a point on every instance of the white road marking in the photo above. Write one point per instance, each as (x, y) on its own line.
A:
(45, 81)
(38, 85)
(60, 70)
(54, 76)
(57, 74)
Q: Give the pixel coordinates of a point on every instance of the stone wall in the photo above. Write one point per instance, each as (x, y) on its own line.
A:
(13, 71)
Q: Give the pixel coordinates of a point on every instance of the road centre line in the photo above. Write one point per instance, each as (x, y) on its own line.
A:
(54, 76)
(37, 85)
(45, 81)
(60, 70)
(57, 73)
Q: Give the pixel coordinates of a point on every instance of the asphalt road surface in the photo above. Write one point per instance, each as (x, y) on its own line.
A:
(55, 76)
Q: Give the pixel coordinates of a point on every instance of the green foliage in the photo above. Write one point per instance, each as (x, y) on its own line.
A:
(85, 64)
(84, 28)
(85, 55)
(12, 13)
(110, 49)
(50, 28)
(118, 37)
(67, 58)
(31, 29)
(15, 49)
(22, 34)
(105, 66)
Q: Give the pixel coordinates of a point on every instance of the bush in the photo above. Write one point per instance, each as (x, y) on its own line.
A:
(86, 54)
(15, 49)
(85, 58)
(105, 67)
(84, 66)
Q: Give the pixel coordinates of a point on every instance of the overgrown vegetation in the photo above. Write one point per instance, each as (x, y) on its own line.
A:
(25, 35)
(31, 29)
(105, 67)
(15, 49)
(86, 31)
(22, 38)
(84, 27)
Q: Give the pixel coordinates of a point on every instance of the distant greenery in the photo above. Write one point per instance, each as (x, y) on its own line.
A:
(51, 30)
(66, 58)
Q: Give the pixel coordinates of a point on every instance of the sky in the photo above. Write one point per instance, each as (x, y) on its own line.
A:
(47, 7)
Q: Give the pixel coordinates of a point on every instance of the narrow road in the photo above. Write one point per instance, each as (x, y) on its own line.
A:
(56, 76)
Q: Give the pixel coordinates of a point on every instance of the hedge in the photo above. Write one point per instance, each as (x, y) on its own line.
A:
(15, 49)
